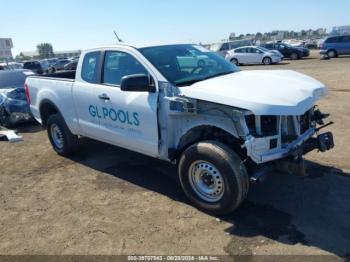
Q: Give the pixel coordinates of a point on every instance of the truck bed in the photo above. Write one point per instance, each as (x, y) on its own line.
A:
(65, 76)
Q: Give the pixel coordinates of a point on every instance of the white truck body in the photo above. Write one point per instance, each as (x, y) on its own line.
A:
(265, 92)
(266, 115)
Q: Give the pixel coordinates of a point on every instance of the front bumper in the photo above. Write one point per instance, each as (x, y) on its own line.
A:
(292, 160)
(276, 59)
(258, 149)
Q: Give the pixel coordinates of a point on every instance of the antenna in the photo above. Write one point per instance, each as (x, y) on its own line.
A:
(119, 40)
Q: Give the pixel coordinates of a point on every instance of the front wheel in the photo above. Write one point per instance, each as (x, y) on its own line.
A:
(294, 56)
(234, 61)
(62, 140)
(213, 177)
(331, 54)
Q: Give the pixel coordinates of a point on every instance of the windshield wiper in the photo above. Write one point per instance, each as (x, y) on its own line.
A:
(193, 81)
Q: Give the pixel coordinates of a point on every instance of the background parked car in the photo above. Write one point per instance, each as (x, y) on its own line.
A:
(11, 66)
(336, 45)
(253, 55)
(288, 51)
(51, 61)
(59, 65)
(36, 66)
(71, 66)
(223, 48)
(14, 107)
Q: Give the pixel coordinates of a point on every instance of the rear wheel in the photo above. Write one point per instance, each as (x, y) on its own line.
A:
(62, 140)
(234, 61)
(267, 61)
(213, 177)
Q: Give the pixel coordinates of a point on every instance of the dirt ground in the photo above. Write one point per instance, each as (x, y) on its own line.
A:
(107, 200)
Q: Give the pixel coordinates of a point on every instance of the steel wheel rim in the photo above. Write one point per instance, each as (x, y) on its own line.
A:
(206, 181)
(57, 136)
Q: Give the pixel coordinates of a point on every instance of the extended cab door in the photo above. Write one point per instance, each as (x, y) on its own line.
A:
(127, 119)
(87, 76)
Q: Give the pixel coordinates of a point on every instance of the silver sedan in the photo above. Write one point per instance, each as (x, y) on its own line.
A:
(253, 55)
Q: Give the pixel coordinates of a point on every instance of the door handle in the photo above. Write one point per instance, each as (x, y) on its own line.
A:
(104, 97)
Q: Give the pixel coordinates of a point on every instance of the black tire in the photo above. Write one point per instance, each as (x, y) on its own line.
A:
(332, 53)
(235, 180)
(267, 61)
(69, 141)
(5, 120)
(294, 56)
(234, 61)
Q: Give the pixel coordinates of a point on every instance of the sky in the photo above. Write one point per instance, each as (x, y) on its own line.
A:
(80, 24)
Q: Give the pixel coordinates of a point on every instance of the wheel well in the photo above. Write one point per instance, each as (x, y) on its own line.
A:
(206, 132)
(47, 109)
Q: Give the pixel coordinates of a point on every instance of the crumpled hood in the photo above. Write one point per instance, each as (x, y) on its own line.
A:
(263, 92)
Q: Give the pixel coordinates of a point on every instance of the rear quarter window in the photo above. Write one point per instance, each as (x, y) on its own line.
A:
(89, 70)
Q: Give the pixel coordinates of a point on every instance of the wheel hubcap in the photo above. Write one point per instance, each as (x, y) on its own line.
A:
(206, 181)
(57, 136)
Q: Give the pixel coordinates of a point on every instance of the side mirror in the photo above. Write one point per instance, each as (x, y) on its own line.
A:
(137, 83)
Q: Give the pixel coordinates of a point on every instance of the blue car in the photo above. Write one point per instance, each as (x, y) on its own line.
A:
(335, 46)
(14, 107)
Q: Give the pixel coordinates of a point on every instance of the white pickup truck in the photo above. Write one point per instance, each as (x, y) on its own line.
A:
(223, 128)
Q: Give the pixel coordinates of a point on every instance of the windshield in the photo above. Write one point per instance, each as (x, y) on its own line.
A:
(186, 64)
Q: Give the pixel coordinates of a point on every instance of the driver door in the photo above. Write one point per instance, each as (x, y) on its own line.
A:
(127, 119)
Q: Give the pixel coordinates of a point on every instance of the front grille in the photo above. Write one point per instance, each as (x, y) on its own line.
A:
(269, 125)
(305, 121)
(293, 126)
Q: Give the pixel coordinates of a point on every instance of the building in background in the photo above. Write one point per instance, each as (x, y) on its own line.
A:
(5, 48)
(58, 54)
(341, 30)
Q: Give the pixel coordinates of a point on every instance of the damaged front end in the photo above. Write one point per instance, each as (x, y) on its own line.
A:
(14, 107)
(286, 139)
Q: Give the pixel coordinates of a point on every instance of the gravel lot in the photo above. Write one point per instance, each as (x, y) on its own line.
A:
(107, 200)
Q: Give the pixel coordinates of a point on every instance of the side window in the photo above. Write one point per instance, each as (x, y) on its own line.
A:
(281, 47)
(346, 39)
(90, 66)
(238, 50)
(119, 64)
(332, 40)
(224, 47)
(252, 50)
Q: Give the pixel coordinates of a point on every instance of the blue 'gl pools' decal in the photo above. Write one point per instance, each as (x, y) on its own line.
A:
(112, 114)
